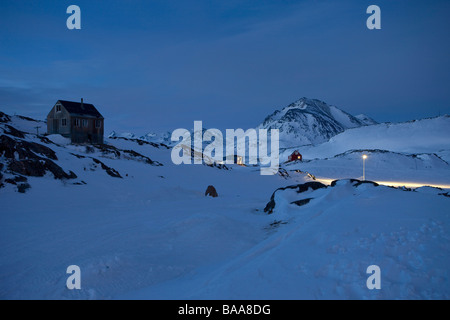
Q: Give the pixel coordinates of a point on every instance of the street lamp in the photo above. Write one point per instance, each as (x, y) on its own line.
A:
(364, 166)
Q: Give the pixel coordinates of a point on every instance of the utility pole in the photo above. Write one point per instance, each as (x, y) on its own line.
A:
(37, 130)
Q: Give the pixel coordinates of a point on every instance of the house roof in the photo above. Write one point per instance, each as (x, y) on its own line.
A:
(76, 108)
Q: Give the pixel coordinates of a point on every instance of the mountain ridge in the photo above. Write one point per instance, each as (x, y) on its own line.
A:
(303, 122)
(311, 121)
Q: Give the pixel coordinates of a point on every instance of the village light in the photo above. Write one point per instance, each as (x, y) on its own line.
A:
(364, 166)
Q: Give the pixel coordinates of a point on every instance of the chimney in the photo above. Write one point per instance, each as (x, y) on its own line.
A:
(82, 104)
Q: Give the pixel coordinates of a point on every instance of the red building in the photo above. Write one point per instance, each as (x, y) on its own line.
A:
(295, 156)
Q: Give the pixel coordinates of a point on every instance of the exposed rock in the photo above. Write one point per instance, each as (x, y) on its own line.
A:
(78, 155)
(24, 149)
(300, 188)
(128, 154)
(24, 158)
(13, 131)
(217, 165)
(112, 172)
(38, 168)
(108, 150)
(10, 181)
(4, 117)
(301, 202)
(356, 182)
(16, 179)
(311, 175)
(141, 142)
(211, 191)
(90, 149)
(47, 140)
(23, 187)
(312, 184)
(283, 173)
(20, 179)
(274, 225)
(141, 157)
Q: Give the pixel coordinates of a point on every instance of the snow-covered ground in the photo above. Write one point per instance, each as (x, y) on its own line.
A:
(412, 153)
(420, 136)
(153, 234)
(322, 250)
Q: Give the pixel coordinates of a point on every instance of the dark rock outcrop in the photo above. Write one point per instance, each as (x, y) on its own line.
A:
(135, 155)
(111, 171)
(31, 159)
(301, 202)
(4, 117)
(356, 182)
(23, 187)
(38, 167)
(24, 149)
(211, 191)
(13, 131)
(16, 179)
(300, 188)
(314, 185)
(142, 142)
(111, 151)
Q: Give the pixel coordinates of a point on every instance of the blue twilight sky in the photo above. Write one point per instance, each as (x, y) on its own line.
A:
(160, 64)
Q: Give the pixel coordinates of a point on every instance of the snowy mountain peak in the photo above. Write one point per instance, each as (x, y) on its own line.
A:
(311, 121)
(308, 105)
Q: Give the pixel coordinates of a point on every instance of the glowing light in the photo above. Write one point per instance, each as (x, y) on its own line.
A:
(364, 166)
(407, 184)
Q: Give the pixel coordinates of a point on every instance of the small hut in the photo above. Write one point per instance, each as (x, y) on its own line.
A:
(295, 156)
(236, 160)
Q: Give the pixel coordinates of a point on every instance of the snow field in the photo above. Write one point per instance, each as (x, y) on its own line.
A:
(154, 235)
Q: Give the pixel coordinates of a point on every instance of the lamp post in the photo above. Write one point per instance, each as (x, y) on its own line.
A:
(364, 166)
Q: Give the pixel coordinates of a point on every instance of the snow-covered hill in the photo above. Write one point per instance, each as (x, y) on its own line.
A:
(304, 122)
(414, 152)
(311, 121)
(139, 226)
(321, 243)
(420, 136)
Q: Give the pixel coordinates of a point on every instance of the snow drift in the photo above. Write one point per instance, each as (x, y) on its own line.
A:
(139, 226)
